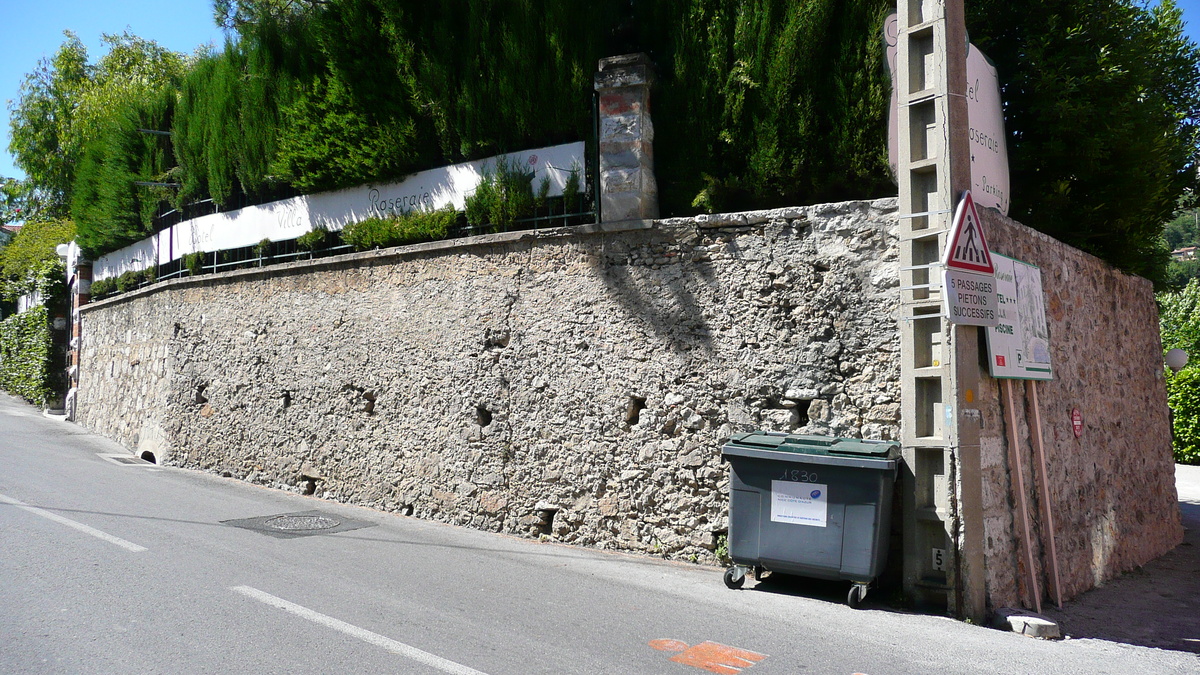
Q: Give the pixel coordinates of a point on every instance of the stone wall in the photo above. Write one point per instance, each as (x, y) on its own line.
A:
(572, 383)
(1112, 490)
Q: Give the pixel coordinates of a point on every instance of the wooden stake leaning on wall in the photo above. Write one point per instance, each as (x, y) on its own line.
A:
(1047, 511)
(1014, 458)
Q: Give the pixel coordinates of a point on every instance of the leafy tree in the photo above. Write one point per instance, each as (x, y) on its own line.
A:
(1179, 316)
(20, 200)
(33, 247)
(237, 14)
(1102, 101)
(42, 120)
(1180, 272)
(133, 89)
(1183, 230)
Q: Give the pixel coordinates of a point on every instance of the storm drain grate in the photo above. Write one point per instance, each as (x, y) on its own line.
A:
(292, 525)
(125, 460)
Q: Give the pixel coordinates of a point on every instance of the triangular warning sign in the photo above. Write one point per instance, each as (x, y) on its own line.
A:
(967, 248)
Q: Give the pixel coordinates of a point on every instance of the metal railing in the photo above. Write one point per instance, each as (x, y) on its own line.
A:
(553, 214)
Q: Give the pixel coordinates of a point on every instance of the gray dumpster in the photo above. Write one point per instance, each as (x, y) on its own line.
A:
(814, 506)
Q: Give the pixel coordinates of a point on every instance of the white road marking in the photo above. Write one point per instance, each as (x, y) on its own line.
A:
(363, 634)
(86, 529)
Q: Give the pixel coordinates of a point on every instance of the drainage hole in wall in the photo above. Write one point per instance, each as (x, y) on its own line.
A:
(310, 487)
(483, 416)
(149, 457)
(368, 402)
(545, 523)
(200, 397)
(633, 411)
(801, 411)
(407, 510)
(286, 399)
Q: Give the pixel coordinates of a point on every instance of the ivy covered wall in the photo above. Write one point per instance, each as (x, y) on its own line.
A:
(27, 365)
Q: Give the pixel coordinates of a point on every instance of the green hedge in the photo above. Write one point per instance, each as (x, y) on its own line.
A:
(1179, 321)
(1183, 395)
(758, 104)
(26, 356)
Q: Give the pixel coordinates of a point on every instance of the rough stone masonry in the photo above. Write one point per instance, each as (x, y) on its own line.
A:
(575, 384)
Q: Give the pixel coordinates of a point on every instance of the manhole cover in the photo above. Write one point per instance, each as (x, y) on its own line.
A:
(294, 523)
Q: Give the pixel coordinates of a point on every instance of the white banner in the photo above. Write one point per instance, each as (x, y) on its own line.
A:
(289, 218)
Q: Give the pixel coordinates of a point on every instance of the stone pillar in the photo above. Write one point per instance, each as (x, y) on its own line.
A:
(628, 190)
(80, 290)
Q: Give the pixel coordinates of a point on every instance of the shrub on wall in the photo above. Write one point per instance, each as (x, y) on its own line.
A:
(504, 195)
(26, 356)
(103, 288)
(316, 239)
(411, 228)
(194, 262)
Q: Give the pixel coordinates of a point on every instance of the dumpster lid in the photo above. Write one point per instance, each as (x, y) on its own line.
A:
(815, 445)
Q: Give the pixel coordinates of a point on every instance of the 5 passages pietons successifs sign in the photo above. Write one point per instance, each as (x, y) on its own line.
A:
(969, 277)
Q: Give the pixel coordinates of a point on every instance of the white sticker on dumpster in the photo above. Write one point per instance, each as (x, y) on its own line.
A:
(799, 503)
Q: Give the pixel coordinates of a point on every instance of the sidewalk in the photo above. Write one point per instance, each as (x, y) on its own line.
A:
(1157, 605)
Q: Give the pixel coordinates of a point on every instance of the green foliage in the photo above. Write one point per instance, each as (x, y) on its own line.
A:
(316, 239)
(128, 281)
(721, 551)
(41, 121)
(133, 88)
(1102, 101)
(103, 288)
(34, 247)
(505, 194)
(410, 228)
(768, 103)
(758, 104)
(22, 200)
(1183, 230)
(1183, 395)
(27, 367)
(1179, 317)
(1180, 272)
(571, 191)
(334, 142)
(194, 262)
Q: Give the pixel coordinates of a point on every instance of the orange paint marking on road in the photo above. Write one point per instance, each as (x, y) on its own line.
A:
(710, 656)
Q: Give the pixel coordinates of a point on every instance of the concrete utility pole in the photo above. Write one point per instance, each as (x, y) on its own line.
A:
(942, 519)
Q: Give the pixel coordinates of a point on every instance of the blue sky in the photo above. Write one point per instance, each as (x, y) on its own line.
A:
(32, 29)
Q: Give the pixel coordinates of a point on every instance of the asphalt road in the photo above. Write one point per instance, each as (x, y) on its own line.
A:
(113, 568)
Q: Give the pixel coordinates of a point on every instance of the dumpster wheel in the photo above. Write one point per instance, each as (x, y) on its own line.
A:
(734, 577)
(858, 592)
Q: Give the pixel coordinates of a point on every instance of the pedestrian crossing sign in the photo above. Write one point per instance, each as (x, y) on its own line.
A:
(967, 249)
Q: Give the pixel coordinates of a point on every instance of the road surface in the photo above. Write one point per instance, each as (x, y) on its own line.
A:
(108, 567)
